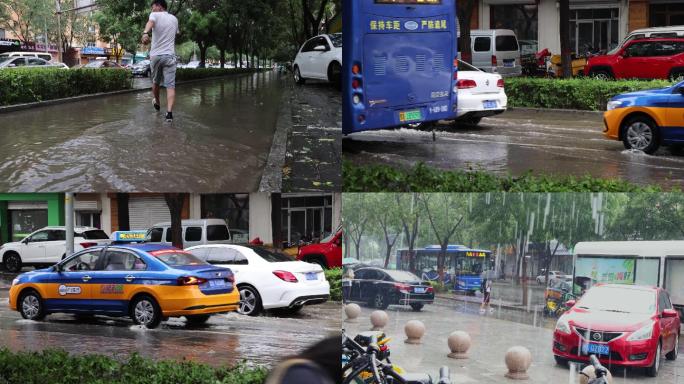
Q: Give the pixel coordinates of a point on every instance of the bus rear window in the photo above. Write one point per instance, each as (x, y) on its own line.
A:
(506, 43)
(417, 2)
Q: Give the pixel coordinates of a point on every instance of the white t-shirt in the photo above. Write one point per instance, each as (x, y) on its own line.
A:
(164, 33)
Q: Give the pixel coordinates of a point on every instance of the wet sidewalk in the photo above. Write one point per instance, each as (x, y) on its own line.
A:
(491, 338)
(313, 161)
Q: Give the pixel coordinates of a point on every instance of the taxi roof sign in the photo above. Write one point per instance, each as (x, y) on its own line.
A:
(129, 236)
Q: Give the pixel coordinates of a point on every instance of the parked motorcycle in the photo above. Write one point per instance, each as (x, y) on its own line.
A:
(365, 360)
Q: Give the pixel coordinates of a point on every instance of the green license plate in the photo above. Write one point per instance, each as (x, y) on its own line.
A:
(410, 115)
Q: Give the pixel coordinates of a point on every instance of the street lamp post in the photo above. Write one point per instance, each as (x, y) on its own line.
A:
(59, 30)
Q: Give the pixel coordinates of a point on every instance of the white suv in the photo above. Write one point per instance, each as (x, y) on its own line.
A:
(47, 246)
(320, 58)
(194, 232)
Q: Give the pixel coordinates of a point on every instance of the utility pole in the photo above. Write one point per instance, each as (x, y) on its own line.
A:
(59, 38)
(69, 222)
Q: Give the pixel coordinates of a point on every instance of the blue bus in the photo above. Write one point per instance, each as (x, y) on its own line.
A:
(399, 63)
(463, 266)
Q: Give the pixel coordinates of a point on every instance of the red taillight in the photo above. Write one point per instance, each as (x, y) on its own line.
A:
(466, 83)
(500, 83)
(356, 69)
(285, 276)
(429, 289)
(356, 84)
(86, 244)
(191, 280)
(493, 60)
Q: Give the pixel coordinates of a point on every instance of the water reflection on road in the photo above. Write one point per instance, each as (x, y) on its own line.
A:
(219, 140)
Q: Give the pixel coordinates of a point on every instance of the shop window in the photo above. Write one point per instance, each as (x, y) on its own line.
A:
(663, 15)
(24, 222)
(155, 235)
(520, 18)
(233, 208)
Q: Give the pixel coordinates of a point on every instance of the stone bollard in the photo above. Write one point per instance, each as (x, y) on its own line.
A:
(459, 343)
(588, 373)
(379, 320)
(352, 311)
(518, 360)
(414, 329)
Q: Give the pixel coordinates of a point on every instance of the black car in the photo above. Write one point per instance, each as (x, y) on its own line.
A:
(380, 288)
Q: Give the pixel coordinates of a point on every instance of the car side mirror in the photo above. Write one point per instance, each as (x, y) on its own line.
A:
(669, 313)
(570, 303)
(25, 241)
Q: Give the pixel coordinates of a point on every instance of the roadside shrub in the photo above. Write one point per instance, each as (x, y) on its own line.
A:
(53, 366)
(421, 178)
(334, 277)
(439, 286)
(578, 93)
(27, 85)
(202, 73)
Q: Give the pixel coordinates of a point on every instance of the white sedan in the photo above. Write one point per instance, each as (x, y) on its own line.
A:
(320, 58)
(480, 94)
(267, 279)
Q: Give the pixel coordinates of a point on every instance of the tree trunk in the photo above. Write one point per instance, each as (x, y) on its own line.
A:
(566, 60)
(223, 58)
(276, 227)
(203, 54)
(465, 13)
(175, 203)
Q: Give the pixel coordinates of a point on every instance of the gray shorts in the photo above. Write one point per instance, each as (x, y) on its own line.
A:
(164, 68)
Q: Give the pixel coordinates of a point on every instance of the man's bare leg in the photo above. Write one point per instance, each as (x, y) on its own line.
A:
(155, 94)
(170, 99)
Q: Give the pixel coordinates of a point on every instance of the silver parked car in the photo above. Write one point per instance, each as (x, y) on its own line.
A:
(27, 62)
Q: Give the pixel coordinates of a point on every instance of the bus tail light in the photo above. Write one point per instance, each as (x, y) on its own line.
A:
(500, 83)
(356, 69)
(466, 83)
(356, 83)
(494, 61)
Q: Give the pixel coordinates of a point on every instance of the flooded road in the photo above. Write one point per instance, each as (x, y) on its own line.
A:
(491, 335)
(219, 140)
(516, 142)
(225, 339)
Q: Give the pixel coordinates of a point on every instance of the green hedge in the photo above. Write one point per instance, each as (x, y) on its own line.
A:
(421, 178)
(334, 277)
(56, 367)
(202, 73)
(579, 93)
(26, 85)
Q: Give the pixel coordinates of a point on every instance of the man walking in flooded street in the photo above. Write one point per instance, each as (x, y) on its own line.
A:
(164, 28)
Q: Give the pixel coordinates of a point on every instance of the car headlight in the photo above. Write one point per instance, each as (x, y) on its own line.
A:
(614, 104)
(562, 326)
(15, 281)
(643, 333)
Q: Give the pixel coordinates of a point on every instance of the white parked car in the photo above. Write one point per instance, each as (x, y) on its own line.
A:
(480, 94)
(47, 246)
(541, 279)
(319, 58)
(194, 232)
(268, 279)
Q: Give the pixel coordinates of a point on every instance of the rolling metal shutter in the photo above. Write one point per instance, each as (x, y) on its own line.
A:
(144, 212)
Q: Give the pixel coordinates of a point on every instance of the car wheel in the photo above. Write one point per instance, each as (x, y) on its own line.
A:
(380, 301)
(145, 311)
(298, 76)
(652, 371)
(196, 319)
(601, 75)
(672, 355)
(641, 133)
(250, 301)
(560, 360)
(335, 74)
(12, 262)
(31, 306)
(417, 306)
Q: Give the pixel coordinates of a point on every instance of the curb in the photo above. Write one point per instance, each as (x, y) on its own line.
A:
(556, 110)
(272, 176)
(46, 103)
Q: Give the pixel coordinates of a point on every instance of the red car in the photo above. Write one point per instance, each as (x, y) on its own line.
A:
(659, 58)
(327, 253)
(625, 325)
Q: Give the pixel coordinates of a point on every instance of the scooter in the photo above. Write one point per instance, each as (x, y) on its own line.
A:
(365, 360)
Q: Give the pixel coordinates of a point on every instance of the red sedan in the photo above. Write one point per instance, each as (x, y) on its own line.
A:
(659, 58)
(625, 325)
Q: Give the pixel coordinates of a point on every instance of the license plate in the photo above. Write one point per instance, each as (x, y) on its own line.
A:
(311, 276)
(420, 290)
(509, 64)
(489, 104)
(410, 115)
(599, 349)
(217, 283)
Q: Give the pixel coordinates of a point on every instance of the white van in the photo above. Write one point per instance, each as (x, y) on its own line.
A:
(195, 232)
(42, 55)
(496, 51)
